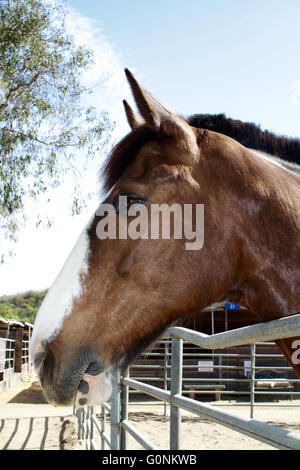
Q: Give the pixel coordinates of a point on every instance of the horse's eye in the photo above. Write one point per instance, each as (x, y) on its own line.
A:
(131, 201)
(124, 201)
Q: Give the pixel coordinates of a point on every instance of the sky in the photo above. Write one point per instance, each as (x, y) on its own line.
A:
(221, 56)
(241, 58)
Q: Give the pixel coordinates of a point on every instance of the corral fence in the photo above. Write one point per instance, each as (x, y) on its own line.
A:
(89, 423)
(249, 375)
(14, 351)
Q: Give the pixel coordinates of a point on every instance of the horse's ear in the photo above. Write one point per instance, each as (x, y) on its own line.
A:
(144, 105)
(160, 118)
(134, 120)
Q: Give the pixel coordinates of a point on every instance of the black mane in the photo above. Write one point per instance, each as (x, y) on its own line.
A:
(250, 135)
(246, 133)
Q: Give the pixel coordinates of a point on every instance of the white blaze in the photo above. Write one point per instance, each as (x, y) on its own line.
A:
(57, 306)
(58, 302)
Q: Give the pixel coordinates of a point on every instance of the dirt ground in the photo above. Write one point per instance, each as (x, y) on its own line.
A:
(199, 433)
(28, 422)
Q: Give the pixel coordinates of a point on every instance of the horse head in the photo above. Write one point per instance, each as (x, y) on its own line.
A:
(116, 294)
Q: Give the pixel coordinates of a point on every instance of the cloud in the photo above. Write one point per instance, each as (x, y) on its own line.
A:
(106, 76)
(296, 92)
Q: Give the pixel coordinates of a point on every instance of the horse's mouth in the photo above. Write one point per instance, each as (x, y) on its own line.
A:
(84, 381)
(93, 389)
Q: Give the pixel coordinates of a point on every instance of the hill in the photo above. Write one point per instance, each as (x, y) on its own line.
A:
(23, 307)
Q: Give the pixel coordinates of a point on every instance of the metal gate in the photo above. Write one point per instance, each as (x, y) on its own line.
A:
(89, 423)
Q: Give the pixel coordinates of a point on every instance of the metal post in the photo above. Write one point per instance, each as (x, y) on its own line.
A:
(78, 422)
(103, 426)
(82, 418)
(124, 409)
(166, 361)
(91, 408)
(115, 414)
(252, 395)
(226, 329)
(176, 385)
(87, 428)
(213, 332)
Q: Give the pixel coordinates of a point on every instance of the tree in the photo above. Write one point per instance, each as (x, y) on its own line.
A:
(43, 124)
(23, 307)
(8, 312)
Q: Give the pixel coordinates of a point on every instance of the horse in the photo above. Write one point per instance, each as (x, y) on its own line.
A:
(115, 295)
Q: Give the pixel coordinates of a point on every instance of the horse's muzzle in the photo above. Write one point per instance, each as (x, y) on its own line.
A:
(69, 380)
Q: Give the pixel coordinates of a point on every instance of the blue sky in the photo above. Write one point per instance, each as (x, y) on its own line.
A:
(232, 56)
(197, 56)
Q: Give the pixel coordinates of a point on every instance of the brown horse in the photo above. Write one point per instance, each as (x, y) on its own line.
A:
(116, 295)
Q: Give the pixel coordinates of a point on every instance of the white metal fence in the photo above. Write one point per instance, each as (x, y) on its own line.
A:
(26, 363)
(7, 359)
(89, 423)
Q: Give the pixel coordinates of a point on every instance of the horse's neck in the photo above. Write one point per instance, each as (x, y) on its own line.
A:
(269, 271)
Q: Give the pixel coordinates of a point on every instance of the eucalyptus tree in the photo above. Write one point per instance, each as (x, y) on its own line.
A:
(44, 125)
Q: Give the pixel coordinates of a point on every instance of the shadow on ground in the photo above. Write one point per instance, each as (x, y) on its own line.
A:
(37, 431)
(57, 433)
(32, 395)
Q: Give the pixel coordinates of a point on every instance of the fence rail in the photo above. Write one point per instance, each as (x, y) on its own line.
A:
(120, 426)
(216, 370)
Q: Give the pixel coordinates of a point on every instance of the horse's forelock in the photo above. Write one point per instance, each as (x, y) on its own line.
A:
(123, 154)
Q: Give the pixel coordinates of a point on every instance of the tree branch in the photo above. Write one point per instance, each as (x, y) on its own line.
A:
(15, 89)
(49, 144)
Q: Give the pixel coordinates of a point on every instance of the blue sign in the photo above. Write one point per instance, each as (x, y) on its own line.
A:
(231, 306)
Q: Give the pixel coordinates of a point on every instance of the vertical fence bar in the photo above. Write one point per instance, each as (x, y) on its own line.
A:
(227, 350)
(166, 350)
(176, 385)
(83, 428)
(212, 315)
(81, 421)
(252, 394)
(124, 410)
(87, 427)
(92, 409)
(115, 414)
(103, 426)
(79, 424)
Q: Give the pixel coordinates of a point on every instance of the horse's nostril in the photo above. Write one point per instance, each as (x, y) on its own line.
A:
(47, 361)
(38, 359)
(44, 363)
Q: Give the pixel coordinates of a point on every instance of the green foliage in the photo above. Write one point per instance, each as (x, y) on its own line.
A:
(43, 124)
(7, 311)
(22, 307)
